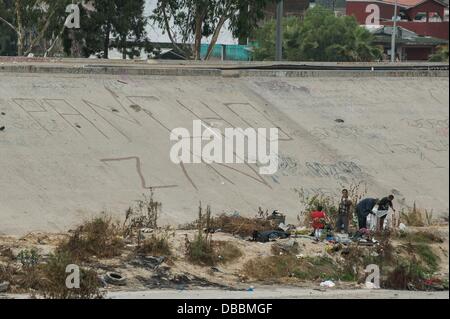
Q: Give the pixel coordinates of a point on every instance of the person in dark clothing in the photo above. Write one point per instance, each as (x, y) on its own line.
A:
(383, 205)
(344, 212)
(363, 209)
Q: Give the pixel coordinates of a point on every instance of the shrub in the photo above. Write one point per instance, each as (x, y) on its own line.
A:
(200, 251)
(144, 214)
(100, 237)
(203, 250)
(157, 245)
(416, 217)
(406, 275)
(329, 203)
(241, 226)
(226, 251)
(54, 276)
(28, 258)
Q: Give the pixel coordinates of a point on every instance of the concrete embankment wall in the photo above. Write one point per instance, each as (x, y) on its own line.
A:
(82, 138)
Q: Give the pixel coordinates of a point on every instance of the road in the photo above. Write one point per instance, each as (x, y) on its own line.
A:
(279, 293)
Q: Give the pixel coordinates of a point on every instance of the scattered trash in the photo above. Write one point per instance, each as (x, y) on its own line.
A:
(327, 284)
(115, 279)
(236, 214)
(4, 286)
(288, 247)
(299, 256)
(269, 235)
(77, 125)
(2, 128)
(277, 218)
(342, 238)
(163, 278)
(251, 289)
(215, 269)
(402, 227)
(339, 121)
(148, 261)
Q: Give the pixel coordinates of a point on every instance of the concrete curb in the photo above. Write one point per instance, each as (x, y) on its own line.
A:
(161, 70)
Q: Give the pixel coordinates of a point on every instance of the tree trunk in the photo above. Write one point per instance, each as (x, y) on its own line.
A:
(106, 42)
(124, 47)
(169, 32)
(20, 31)
(52, 45)
(216, 34)
(200, 14)
(198, 37)
(40, 36)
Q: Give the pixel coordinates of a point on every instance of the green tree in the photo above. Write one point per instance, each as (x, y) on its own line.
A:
(112, 24)
(8, 36)
(441, 55)
(188, 21)
(129, 28)
(30, 20)
(321, 36)
(39, 25)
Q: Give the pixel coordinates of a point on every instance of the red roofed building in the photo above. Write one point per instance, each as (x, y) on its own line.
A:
(424, 17)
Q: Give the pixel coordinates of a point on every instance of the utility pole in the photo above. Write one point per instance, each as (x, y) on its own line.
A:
(394, 33)
(279, 35)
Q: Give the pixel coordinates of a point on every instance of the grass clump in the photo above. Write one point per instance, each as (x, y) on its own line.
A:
(200, 251)
(100, 237)
(407, 275)
(420, 237)
(156, 245)
(274, 268)
(427, 257)
(416, 217)
(144, 214)
(414, 265)
(282, 249)
(48, 278)
(226, 251)
(203, 250)
(54, 276)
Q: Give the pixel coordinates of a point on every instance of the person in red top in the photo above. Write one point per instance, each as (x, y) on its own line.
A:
(318, 221)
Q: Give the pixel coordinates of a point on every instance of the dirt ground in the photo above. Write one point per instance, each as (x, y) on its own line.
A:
(177, 277)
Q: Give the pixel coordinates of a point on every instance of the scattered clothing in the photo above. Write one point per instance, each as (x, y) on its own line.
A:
(266, 236)
(383, 208)
(363, 209)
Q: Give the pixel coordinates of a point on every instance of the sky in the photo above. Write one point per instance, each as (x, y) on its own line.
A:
(156, 34)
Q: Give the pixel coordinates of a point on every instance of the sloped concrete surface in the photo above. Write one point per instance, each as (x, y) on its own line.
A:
(78, 144)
